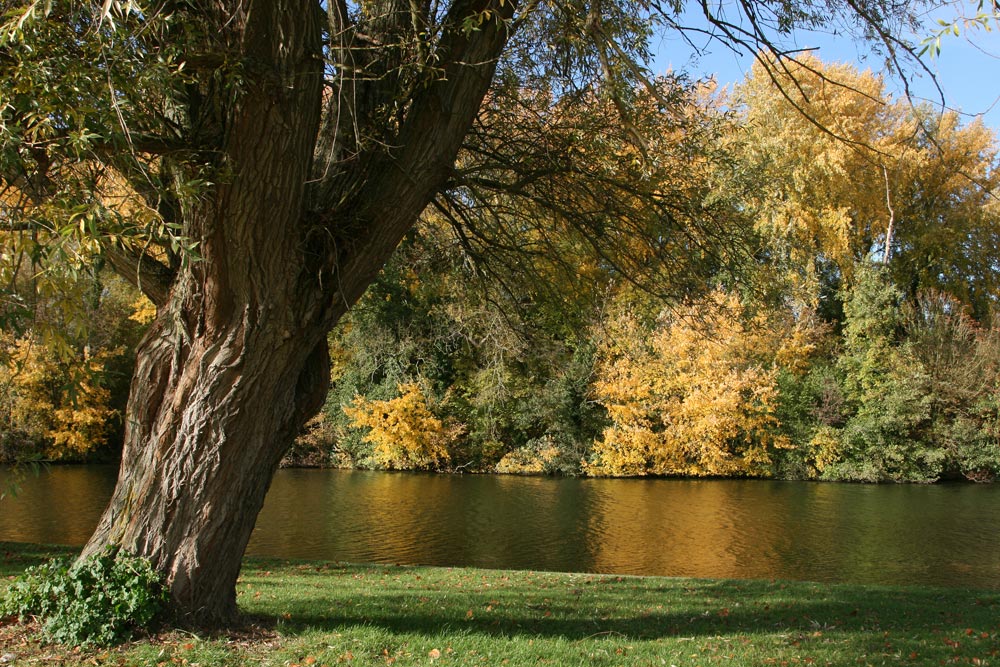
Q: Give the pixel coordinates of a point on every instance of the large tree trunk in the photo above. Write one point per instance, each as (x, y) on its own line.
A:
(236, 360)
(208, 422)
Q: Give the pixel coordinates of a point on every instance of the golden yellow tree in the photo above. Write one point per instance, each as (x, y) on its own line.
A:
(696, 393)
(405, 433)
(56, 401)
(851, 173)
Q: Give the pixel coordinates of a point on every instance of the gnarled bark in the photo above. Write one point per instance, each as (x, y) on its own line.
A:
(236, 360)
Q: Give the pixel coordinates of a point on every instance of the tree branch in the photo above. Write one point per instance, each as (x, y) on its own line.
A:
(147, 274)
(402, 182)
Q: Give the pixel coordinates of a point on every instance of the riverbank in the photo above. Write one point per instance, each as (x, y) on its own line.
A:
(318, 613)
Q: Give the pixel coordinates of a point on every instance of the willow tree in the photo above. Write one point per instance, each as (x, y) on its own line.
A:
(250, 165)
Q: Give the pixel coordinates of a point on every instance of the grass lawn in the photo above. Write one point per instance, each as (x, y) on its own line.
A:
(312, 614)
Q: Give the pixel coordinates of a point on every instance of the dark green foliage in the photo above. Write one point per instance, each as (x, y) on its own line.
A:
(101, 600)
(961, 362)
(914, 393)
(499, 363)
(810, 402)
(885, 387)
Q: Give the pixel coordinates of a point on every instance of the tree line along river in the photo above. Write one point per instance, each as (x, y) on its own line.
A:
(945, 534)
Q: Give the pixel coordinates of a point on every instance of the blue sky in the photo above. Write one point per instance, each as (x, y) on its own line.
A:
(967, 69)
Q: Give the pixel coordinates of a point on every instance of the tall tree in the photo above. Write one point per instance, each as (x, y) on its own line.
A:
(852, 173)
(250, 165)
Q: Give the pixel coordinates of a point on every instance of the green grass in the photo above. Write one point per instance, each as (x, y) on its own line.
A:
(334, 614)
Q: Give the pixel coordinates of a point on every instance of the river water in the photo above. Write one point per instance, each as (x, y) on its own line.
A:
(938, 535)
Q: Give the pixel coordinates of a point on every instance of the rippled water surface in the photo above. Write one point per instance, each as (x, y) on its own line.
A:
(943, 534)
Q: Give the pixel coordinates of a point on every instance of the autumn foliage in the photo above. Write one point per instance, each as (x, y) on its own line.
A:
(854, 344)
(808, 292)
(57, 402)
(63, 381)
(695, 395)
(404, 432)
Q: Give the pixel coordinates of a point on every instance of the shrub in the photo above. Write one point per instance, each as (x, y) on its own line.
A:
(697, 393)
(100, 600)
(547, 455)
(52, 398)
(404, 431)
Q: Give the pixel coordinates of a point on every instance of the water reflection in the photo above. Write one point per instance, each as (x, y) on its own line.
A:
(58, 505)
(489, 521)
(695, 530)
(946, 535)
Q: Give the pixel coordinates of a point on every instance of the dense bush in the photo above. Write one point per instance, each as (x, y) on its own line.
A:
(100, 600)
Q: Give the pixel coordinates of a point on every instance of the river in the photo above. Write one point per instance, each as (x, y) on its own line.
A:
(946, 534)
